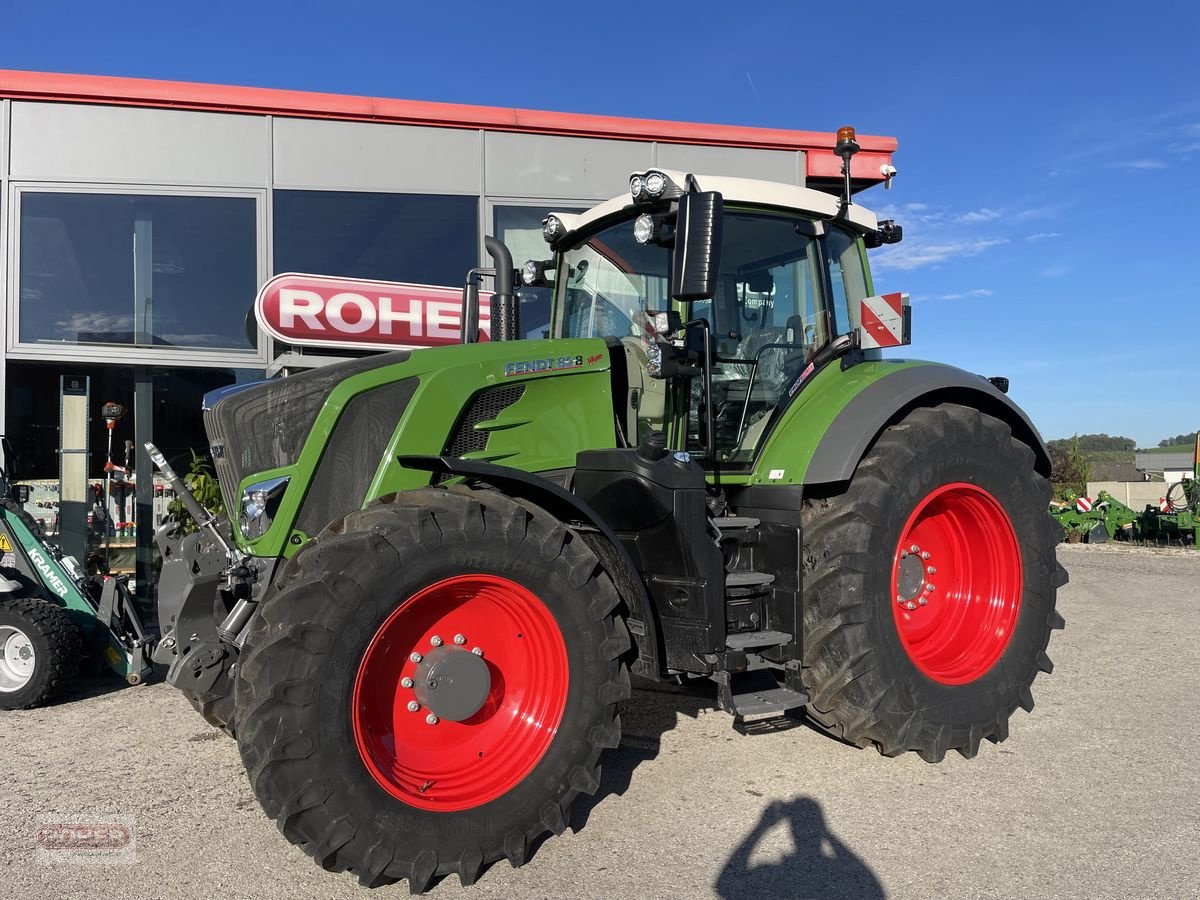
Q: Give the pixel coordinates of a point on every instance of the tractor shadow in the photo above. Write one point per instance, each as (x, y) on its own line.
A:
(651, 712)
(818, 865)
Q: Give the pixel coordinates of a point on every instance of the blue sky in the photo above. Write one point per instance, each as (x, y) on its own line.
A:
(1048, 152)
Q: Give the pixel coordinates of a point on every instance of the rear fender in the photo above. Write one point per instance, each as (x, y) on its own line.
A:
(889, 399)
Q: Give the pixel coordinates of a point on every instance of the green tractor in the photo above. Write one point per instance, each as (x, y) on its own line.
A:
(442, 566)
(55, 618)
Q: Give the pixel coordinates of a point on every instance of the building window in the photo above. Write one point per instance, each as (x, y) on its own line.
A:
(415, 238)
(520, 228)
(137, 269)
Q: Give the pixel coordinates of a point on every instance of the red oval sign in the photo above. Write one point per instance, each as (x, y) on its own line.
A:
(324, 311)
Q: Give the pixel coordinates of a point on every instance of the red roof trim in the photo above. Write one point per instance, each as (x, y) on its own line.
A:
(46, 86)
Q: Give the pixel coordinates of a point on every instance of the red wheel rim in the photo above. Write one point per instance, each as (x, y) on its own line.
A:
(956, 583)
(455, 765)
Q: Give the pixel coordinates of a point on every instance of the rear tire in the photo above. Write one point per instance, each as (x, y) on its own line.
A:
(39, 651)
(321, 710)
(898, 654)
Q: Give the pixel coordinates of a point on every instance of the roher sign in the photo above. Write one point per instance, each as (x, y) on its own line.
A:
(324, 311)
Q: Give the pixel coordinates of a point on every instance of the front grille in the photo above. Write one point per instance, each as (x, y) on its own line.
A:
(484, 406)
(353, 454)
(265, 426)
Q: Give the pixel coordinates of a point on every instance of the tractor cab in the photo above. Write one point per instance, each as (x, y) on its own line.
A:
(715, 296)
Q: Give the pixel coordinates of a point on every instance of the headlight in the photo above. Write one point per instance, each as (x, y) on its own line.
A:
(259, 503)
(656, 183)
(533, 273)
(643, 228)
(552, 228)
(636, 186)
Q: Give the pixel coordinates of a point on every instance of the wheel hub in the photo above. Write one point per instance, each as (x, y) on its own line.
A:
(955, 623)
(17, 659)
(452, 683)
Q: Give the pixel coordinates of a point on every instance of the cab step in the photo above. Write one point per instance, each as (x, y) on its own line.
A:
(745, 583)
(752, 640)
(734, 523)
(756, 694)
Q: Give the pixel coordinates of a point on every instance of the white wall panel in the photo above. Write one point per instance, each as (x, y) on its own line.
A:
(74, 142)
(525, 165)
(769, 165)
(367, 157)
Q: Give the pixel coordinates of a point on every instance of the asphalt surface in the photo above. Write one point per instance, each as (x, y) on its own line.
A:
(1096, 793)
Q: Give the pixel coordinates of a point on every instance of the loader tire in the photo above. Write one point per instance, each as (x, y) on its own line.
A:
(531, 640)
(930, 587)
(40, 646)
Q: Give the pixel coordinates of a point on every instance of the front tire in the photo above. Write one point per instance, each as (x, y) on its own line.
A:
(337, 660)
(40, 647)
(930, 587)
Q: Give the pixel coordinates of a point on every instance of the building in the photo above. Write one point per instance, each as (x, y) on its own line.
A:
(1169, 466)
(140, 217)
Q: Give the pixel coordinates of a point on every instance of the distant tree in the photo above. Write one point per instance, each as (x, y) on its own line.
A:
(1070, 471)
(1189, 438)
(1096, 443)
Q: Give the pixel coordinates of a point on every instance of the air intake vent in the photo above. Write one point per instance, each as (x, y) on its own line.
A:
(485, 405)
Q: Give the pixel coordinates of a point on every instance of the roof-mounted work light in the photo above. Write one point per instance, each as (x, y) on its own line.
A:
(646, 187)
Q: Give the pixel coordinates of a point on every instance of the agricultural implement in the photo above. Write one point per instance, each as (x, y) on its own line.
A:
(441, 566)
(1095, 521)
(56, 618)
(1177, 518)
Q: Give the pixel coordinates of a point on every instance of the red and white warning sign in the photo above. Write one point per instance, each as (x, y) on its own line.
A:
(885, 321)
(1083, 504)
(323, 311)
(1164, 505)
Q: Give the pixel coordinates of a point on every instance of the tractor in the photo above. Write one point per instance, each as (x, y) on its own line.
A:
(56, 617)
(441, 567)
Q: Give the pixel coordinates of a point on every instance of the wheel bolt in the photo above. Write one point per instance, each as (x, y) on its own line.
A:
(460, 639)
(431, 719)
(931, 570)
(406, 682)
(478, 651)
(910, 605)
(413, 705)
(929, 587)
(901, 601)
(436, 640)
(416, 657)
(916, 549)
(925, 554)
(904, 554)
(922, 601)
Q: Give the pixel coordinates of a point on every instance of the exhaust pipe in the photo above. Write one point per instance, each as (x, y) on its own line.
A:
(506, 313)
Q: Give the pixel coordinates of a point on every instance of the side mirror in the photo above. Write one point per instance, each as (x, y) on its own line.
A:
(697, 258)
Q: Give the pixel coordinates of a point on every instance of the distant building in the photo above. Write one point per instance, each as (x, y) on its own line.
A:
(1169, 467)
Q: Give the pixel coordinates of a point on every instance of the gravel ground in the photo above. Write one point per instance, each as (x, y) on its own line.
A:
(1096, 794)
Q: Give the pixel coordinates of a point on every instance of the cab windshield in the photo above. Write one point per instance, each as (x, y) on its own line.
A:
(782, 293)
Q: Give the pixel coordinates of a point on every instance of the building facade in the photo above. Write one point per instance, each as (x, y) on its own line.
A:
(139, 218)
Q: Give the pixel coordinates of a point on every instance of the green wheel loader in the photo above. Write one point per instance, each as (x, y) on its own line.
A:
(55, 618)
(442, 566)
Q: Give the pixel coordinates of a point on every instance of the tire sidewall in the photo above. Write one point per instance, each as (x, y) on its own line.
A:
(382, 591)
(1005, 476)
(39, 685)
